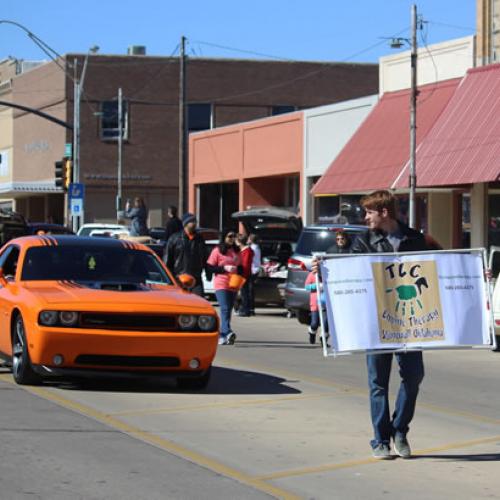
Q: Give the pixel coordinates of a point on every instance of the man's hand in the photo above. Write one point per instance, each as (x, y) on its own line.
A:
(315, 265)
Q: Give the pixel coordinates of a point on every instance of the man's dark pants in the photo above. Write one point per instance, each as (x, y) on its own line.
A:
(411, 370)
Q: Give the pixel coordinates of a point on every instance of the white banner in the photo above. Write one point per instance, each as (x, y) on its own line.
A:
(406, 301)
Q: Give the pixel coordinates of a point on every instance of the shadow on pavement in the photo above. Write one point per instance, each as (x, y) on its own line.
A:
(478, 457)
(223, 381)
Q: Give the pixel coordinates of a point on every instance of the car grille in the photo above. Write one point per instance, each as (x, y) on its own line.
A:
(130, 361)
(133, 322)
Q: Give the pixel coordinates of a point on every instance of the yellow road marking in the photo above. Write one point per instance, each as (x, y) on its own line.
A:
(164, 444)
(210, 406)
(354, 463)
(345, 389)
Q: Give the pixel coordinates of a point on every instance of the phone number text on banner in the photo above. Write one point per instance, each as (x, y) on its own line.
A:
(378, 302)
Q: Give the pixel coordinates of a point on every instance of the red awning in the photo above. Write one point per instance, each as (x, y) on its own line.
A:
(463, 147)
(379, 149)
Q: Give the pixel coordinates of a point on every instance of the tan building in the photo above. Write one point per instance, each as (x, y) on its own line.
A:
(488, 31)
(219, 92)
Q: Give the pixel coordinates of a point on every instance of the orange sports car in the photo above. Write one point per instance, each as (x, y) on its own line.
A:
(71, 305)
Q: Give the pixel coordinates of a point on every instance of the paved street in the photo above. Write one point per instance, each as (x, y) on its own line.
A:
(277, 420)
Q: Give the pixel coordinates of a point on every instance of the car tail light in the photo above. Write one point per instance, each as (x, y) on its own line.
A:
(497, 322)
(296, 264)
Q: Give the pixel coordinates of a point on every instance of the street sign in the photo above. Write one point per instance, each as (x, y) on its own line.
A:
(68, 150)
(76, 190)
(76, 206)
(76, 194)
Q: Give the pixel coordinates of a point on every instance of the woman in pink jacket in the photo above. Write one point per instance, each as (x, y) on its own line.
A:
(225, 260)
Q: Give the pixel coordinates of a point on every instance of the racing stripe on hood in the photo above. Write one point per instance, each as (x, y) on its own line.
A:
(70, 284)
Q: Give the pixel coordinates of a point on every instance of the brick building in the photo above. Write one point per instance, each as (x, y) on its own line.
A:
(219, 92)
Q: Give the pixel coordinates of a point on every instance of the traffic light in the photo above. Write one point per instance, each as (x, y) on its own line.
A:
(59, 174)
(68, 173)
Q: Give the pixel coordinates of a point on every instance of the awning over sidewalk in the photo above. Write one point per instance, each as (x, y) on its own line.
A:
(379, 150)
(463, 147)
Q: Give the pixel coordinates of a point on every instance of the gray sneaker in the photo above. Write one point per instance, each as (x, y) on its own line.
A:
(401, 446)
(231, 338)
(382, 452)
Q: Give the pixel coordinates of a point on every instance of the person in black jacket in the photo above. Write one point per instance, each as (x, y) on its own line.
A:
(186, 252)
(174, 224)
(387, 234)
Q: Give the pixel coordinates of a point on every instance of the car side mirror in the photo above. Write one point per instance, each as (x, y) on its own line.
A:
(3, 280)
(187, 281)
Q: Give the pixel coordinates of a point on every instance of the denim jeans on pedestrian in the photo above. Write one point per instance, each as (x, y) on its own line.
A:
(225, 299)
(411, 370)
(316, 322)
(245, 309)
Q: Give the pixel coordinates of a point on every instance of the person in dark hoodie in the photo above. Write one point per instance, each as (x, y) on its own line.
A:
(186, 252)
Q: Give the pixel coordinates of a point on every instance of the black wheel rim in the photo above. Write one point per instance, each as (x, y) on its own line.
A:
(18, 358)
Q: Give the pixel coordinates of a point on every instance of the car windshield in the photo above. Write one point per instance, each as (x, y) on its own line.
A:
(93, 263)
(320, 241)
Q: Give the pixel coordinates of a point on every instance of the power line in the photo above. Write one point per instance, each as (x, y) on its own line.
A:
(244, 51)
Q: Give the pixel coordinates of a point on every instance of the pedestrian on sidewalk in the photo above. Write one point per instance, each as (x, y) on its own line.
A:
(342, 243)
(246, 256)
(138, 213)
(186, 252)
(315, 323)
(223, 261)
(256, 266)
(174, 224)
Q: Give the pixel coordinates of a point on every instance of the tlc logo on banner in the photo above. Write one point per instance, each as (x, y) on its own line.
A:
(408, 301)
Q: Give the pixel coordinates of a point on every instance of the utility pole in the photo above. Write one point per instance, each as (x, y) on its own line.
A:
(120, 147)
(413, 120)
(77, 97)
(182, 128)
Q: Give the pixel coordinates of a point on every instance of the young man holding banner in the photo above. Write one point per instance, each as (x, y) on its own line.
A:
(387, 234)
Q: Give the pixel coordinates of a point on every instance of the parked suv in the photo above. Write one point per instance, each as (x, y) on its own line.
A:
(318, 238)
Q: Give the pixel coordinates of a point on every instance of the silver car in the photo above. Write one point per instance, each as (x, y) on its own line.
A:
(317, 238)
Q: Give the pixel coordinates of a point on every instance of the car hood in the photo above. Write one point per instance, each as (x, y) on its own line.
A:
(157, 298)
(270, 223)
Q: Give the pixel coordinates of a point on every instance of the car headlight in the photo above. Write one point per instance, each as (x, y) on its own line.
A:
(48, 318)
(187, 321)
(68, 318)
(207, 323)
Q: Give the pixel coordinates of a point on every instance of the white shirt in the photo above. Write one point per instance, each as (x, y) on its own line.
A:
(256, 261)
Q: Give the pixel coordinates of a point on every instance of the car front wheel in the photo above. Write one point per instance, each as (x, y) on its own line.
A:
(22, 370)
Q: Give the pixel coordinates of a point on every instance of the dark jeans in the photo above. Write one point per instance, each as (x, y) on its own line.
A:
(411, 370)
(225, 298)
(251, 293)
(245, 298)
(315, 321)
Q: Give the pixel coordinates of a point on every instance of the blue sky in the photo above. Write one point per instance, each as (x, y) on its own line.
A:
(317, 30)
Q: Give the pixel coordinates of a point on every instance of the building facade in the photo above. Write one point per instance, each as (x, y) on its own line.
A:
(218, 92)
